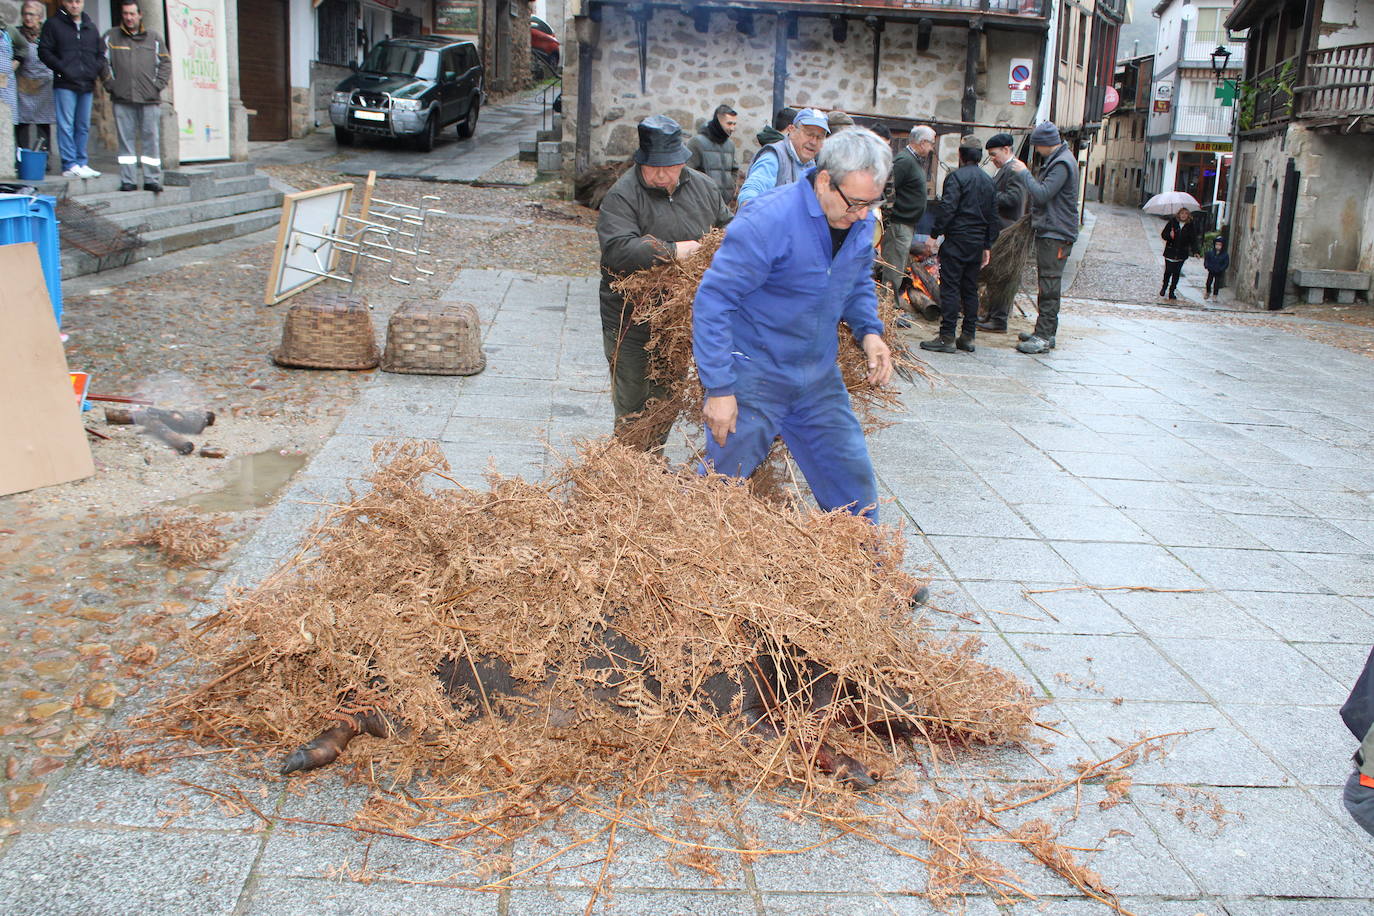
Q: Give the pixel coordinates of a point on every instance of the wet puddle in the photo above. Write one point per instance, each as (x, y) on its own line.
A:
(253, 482)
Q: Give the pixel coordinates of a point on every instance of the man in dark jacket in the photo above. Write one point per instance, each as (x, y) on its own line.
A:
(714, 154)
(967, 220)
(1358, 714)
(136, 74)
(908, 204)
(1054, 217)
(1011, 206)
(654, 213)
(71, 48)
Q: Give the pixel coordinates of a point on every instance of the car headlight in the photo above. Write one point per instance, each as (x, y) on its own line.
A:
(342, 98)
(406, 104)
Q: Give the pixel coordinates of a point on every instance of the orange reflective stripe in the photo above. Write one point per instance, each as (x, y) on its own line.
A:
(1367, 781)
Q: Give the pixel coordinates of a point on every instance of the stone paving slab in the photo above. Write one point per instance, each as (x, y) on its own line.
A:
(1153, 525)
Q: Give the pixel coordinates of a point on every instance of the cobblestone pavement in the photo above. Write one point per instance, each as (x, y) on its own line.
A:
(1157, 525)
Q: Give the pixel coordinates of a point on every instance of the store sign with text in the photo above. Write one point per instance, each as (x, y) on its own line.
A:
(200, 78)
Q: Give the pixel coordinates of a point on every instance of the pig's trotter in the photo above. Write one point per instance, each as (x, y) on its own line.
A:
(325, 749)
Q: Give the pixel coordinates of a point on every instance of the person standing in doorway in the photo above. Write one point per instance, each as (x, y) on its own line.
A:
(714, 153)
(71, 48)
(138, 70)
(1054, 219)
(1180, 243)
(967, 221)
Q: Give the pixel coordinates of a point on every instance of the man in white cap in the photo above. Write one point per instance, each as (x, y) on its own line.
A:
(784, 161)
(1054, 217)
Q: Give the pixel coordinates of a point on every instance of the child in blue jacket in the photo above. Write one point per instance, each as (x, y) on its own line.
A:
(1216, 261)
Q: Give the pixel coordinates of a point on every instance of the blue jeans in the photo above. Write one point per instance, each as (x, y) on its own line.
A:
(820, 430)
(73, 124)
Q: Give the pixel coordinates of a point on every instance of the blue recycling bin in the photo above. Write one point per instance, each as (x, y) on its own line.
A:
(34, 219)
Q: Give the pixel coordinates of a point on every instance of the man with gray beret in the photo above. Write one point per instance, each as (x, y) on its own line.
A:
(654, 213)
(1053, 195)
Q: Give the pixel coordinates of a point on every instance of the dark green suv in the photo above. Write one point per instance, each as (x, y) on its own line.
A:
(412, 88)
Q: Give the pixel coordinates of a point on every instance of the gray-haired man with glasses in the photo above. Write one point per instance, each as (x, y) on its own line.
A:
(793, 264)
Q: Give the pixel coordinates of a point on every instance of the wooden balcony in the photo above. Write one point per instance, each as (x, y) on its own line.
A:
(1338, 84)
(1267, 97)
(1030, 8)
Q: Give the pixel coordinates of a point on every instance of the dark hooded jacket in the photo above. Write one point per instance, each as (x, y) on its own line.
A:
(769, 134)
(1180, 239)
(72, 50)
(1215, 261)
(1358, 715)
(967, 215)
(713, 152)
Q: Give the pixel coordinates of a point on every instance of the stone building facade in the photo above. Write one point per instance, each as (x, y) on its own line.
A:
(903, 66)
(1303, 183)
(1122, 177)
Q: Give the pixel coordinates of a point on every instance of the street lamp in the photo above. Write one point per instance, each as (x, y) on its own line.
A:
(1219, 59)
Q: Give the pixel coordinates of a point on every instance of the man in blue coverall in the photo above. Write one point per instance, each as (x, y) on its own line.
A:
(794, 263)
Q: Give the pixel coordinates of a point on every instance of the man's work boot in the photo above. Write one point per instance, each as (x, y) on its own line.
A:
(1025, 335)
(1034, 344)
(938, 345)
(920, 597)
(993, 327)
(965, 342)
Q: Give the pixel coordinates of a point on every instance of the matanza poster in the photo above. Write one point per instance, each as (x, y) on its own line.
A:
(200, 78)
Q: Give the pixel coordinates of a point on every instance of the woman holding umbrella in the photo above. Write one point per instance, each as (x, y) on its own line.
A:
(1181, 238)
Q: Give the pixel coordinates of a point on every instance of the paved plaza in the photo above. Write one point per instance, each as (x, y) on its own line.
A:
(1227, 467)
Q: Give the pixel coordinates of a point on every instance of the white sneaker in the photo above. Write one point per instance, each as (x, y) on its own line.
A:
(88, 172)
(73, 172)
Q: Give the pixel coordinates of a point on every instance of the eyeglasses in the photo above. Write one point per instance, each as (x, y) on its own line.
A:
(854, 206)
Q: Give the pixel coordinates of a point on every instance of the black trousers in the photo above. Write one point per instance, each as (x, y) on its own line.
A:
(959, 290)
(1172, 271)
(1213, 283)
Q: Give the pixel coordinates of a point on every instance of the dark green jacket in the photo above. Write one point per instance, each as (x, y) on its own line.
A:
(908, 187)
(769, 134)
(637, 225)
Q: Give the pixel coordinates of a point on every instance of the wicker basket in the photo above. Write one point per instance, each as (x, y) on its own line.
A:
(328, 330)
(428, 337)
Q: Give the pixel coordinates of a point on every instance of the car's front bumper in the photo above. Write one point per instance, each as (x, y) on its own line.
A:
(381, 122)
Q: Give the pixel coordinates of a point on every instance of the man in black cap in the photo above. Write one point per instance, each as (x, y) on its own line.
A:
(967, 219)
(1011, 205)
(655, 212)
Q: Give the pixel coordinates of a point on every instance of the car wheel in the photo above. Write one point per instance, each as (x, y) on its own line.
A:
(424, 141)
(343, 136)
(468, 126)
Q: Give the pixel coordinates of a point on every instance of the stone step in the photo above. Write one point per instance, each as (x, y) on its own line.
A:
(165, 217)
(57, 186)
(241, 184)
(186, 173)
(76, 263)
(108, 202)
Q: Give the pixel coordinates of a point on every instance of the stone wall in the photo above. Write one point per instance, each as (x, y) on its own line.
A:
(1333, 227)
(324, 77)
(688, 73)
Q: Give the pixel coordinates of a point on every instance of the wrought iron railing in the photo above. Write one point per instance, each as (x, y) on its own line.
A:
(1339, 83)
(1267, 97)
(1203, 121)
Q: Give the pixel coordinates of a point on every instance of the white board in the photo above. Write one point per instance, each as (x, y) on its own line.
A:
(196, 41)
(302, 256)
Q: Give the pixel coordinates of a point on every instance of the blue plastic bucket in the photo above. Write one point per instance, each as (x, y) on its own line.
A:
(33, 164)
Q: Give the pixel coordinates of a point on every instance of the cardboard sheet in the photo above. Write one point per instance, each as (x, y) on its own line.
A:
(44, 442)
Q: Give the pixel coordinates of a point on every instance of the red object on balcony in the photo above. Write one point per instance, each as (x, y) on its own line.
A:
(1110, 99)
